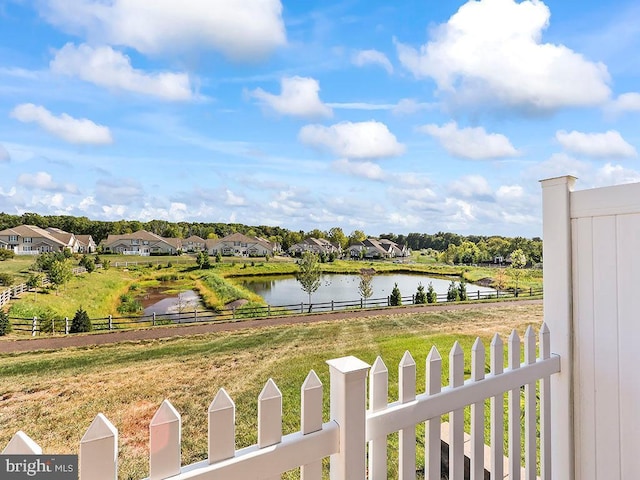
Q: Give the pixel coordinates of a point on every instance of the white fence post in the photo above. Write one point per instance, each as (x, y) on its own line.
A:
(407, 436)
(34, 326)
(222, 420)
(99, 451)
(497, 411)
(477, 414)
(530, 427)
(558, 314)
(270, 417)
(164, 442)
(456, 419)
(66, 325)
(378, 399)
(348, 409)
(514, 410)
(311, 420)
(21, 444)
(432, 444)
(110, 322)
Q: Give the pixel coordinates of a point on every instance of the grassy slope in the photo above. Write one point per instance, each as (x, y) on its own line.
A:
(53, 396)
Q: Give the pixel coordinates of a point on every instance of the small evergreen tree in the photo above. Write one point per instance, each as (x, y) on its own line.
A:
(421, 295)
(218, 257)
(462, 290)
(5, 324)
(453, 293)
(396, 298)
(432, 296)
(81, 322)
(87, 262)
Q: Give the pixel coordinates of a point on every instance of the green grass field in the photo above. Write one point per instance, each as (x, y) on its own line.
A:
(54, 396)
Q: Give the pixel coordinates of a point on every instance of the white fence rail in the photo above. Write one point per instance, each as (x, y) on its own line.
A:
(352, 424)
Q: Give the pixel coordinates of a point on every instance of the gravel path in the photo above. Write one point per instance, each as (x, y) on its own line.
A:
(102, 338)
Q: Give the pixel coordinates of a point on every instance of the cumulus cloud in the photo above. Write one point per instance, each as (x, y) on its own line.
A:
(492, 50)
(600, 145)
(233, 200)
(44, 181)
(4, 155)
(361, 140)
(372, 57)
(369, 170)
(509, 193)
(472, 187)
(627, 102)
(615, 175)
(557, 165)
(108, 68)
(72, 130)
(470, 142)
(240, 30)
(298, 97)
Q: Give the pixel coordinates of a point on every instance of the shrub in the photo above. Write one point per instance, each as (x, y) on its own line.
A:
(6, 279)
(47, 321)
(5, 324)
(453, 294)
(81, 322)
(421, 296)
(6, 254)
(396, 298)
(462, 290)
(128, 304)
(432, 296)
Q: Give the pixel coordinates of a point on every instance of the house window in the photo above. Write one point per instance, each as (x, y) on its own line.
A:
(26, 248)
(135, 242)
(27, 240)
(13, 238)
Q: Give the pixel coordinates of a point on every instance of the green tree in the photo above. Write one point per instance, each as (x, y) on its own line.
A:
(81, 322)
(337, 236)
(5, 324)
(432, 296)
(421, 295)
(396, 298)
(88, 262)
(357, 236)
(364, 287)
(34, 280)
(518, 262)
(309, 273)
(60, 273)
(453, 294)
(462, 289)
(218, 257)
(6, 254)
(6, 279)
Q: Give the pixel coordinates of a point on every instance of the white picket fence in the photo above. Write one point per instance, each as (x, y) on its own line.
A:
(352, 425)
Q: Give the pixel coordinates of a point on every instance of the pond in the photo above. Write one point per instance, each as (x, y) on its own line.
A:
(286, 290)
(162, 304)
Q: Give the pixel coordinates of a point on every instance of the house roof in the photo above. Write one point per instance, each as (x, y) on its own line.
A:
(194, 239)
(85, 239)
(64, 237)
(238, 237)
(33, 232)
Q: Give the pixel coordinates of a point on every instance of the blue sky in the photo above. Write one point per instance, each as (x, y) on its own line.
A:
(411, 116)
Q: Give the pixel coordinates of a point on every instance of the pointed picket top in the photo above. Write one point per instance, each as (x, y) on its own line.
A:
(497, 355)
(477, 360)
(545, 341)
(434, 371)
(99, 429)
(311, 404)
(166, 413)
(529, 346)
(378, 385)
(22, 444)
(514, 350)
(269, 415)
(407, 360)
(407, 378)
(456, 365)
(222, 422)
(378, 367)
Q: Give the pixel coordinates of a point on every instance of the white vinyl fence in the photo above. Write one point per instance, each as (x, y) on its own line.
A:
(353, 426)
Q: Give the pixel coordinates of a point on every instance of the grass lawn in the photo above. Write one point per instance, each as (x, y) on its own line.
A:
(54, 396)
(18, 267)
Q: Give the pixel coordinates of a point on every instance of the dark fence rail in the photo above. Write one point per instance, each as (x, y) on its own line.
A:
(36, 326)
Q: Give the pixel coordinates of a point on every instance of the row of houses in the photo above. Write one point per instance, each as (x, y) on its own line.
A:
(32, 240)
(370, 248)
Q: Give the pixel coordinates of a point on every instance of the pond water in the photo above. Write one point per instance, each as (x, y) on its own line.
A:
(185, 301)
(286, 290)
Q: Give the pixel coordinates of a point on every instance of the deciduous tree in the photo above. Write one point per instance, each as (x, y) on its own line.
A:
(364, 287)
(309, 273)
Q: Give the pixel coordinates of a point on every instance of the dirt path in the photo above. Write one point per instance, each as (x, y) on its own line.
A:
(52, 343)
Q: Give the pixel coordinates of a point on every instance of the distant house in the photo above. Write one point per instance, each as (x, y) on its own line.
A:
(86, 244)
(31, 240)
(314, 245)
(69, 239)
(194, 244)
(141, 243)
(240, 245)
(373, 248)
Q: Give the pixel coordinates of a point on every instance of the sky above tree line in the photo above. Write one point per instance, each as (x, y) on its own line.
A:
(412, 116)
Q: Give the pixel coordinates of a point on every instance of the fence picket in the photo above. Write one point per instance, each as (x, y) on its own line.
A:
(514, 410)
(269, 415)
(222, 426)
(99, 451)
(497, 409)
(311, 420)
(21, 444)
(456, 423)
(477, 414)
(545, 405)
(407, 436)
(433, 450)
(530, 447)
(165, 442)
(378, 398)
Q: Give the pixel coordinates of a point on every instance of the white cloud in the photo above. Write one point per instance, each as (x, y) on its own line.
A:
(234, 200)
(509, 193)
(4, 155)
(559, 164)
(44, 181)
(492, 50)
(70, 129)
(369, 170)
(472, 186)
(627, 102)
(470, 142)
(372, 57)
(407, 106)
(298, 97)
(118, 191)
(615, 175)
(361, 140)
(600, 145)
(111, 69)
(239, 29)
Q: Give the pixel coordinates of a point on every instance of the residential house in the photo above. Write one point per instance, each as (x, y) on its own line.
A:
(194, 244)
(240, 245)
(86, 244)
(314, 245)
(31, 240)
(374, 248)
(141, 243)
(69, 239)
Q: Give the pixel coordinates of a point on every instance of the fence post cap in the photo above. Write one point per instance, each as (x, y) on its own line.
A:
(348, 364)
(100, 428)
